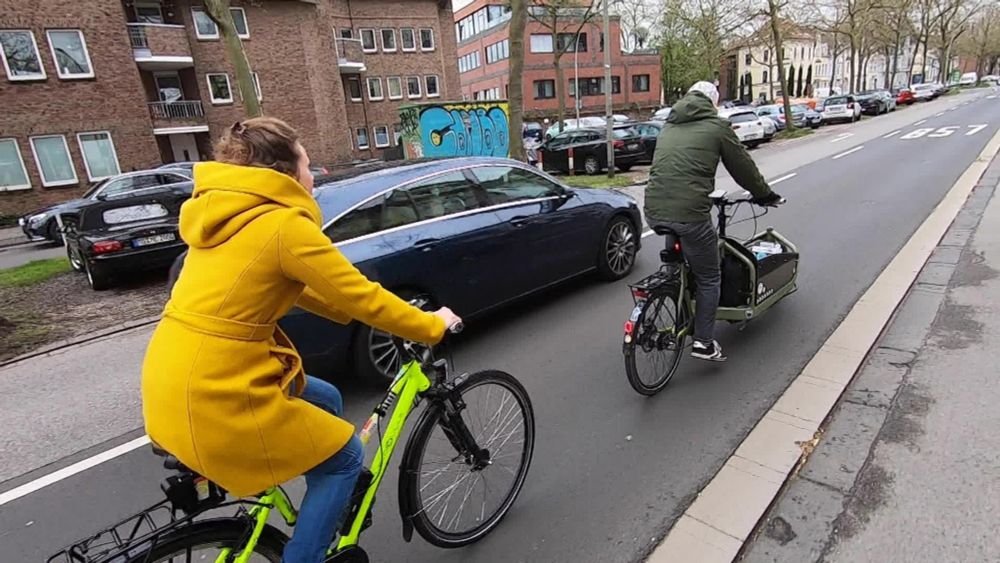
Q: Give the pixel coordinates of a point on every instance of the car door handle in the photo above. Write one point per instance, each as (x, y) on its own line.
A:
(427, 243)
(520, 220)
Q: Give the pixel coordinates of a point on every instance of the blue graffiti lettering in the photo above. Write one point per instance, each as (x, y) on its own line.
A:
(464, 130)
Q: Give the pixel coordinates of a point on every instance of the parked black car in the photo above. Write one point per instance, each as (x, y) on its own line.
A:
(872, 103)
(533, 130)
(470, 233)
(111, 237)
(648, 132)
(42, 224)
(590, 150)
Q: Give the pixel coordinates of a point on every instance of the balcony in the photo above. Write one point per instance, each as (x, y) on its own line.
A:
(350, 57)
(177, 116)
(157, 46)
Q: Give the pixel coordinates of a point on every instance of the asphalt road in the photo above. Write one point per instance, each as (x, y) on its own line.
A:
(612, 470)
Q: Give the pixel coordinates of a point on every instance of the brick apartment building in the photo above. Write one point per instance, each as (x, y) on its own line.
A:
(97, 87)
(482, 29)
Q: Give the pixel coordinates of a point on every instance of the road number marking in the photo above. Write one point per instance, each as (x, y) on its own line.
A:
(973, 129)
(916, 134)
(940, 132)
(943, 132)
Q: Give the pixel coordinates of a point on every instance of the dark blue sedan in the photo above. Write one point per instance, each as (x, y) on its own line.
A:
(468, 233)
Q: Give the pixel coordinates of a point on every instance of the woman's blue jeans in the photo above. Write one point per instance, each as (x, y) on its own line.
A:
(329, 485)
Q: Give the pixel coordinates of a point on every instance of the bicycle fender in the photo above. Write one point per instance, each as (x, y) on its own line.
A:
(410, 453)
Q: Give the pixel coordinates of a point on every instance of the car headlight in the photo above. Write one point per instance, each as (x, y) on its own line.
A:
(36, 220)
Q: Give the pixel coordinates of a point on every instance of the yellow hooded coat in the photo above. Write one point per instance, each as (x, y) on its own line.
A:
(216, 377)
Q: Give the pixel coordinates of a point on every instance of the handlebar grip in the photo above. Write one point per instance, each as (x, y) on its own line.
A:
(456, 328)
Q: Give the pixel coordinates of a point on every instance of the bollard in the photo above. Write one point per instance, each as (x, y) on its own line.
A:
(572, 168)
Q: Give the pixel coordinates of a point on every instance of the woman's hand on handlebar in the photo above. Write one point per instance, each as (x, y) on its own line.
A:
(451, 320)
(772, 200)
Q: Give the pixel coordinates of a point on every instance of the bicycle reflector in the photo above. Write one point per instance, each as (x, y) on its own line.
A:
(629, 327)
(639, 293)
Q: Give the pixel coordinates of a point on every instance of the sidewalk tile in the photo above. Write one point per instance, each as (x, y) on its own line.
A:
(809, 399)
(734, 501)
(844, 446)
(797, 528)
(691, 541)
(775, 444)
(834, 364)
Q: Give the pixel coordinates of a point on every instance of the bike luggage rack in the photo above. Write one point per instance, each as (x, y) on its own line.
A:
(663, 280)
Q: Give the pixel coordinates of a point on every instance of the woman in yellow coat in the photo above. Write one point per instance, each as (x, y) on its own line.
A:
(222, 387)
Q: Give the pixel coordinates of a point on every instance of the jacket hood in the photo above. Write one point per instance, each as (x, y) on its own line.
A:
(227, 197)
(693, 107)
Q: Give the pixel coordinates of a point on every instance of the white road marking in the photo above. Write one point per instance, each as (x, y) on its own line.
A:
(921, 122)
(783, 178)
(938, 114)
(893, 134)
(845, 153)
(841, 137)
(69, 471)
(975, 129)
(647, 233)
(991, 97)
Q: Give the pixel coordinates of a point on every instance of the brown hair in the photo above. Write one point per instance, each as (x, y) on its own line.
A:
(266, 142)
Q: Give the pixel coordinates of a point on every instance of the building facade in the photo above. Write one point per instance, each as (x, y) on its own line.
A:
(482, 31)
(105, 86)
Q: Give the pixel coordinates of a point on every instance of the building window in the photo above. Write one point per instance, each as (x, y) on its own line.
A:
(616, 85)
(368, 44)
(413, 87)
(431, 86)
(69, 51)
(397, 134)
(766, 77)
(219, 89)
(256, 87)
(389, 40)
(767, 55)
(541, 43)
(595, 86)
(381, 136)
(408, 39)
(362, 136)
(640, 83)
(426, 39)
(52, 157)
(13, 174)
(205, 28)
(346, 33)
(240, 22)
(20, 55)
(99, 157)
(545, 89)
(469, 62)
(395, 86)
(483, 19)
(498, 51)
(354, 89)
(566, 42)
(375, 89)
(148, 12)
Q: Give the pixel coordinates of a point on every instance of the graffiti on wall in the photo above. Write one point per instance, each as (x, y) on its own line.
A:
(446, 129)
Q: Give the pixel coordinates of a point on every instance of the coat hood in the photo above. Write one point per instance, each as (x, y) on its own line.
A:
(693, 107)
(227, 197)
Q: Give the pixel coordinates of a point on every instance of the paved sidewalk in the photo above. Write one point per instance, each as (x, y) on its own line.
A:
(908, 465)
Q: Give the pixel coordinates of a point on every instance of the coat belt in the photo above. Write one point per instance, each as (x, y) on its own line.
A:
(217, 326)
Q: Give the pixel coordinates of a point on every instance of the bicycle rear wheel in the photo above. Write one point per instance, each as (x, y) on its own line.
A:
(657, 344)
(205, 540)
(454, 497)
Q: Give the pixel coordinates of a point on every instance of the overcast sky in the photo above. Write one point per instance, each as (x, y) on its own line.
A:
(456, 4)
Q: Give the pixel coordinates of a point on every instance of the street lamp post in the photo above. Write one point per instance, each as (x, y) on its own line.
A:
(576, 79)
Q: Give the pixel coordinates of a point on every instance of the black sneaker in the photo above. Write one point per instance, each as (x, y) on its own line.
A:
(711, 352)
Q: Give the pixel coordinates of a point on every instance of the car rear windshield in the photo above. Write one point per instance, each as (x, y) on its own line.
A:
(742, 117)
(835, 101)
(624, 132)
(134, 213)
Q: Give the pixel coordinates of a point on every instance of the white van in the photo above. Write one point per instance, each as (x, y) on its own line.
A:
(968, 79)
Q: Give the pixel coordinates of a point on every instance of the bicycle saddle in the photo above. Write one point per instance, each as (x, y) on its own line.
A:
(169, 461)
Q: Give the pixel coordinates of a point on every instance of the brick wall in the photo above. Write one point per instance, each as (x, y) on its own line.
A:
(112, 101)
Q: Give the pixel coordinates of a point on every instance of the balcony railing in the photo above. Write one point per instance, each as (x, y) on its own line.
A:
(137, 35)
(180, 109)
(350, 56)
(157, 46)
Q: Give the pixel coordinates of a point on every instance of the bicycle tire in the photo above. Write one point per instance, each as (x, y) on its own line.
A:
(221, 533)
(640, 338)
(411, 501)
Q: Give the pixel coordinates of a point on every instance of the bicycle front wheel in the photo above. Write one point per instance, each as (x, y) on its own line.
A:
(206, 540)
(655, 349)
(455, 497)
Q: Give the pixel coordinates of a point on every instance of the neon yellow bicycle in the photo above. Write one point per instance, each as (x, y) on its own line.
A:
(462, 468)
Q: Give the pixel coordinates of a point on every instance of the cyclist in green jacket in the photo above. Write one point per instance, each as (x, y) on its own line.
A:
(688, 150)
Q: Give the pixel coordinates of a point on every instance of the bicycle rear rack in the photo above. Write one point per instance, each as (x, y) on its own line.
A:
(126, 540)
(666, 279)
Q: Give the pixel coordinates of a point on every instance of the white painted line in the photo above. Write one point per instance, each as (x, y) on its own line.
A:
(731, 505)
(69, 471)
(647, 233)
(893, 134)
(845, 153)
(842, 136)
(783, 178)
(991, 97)
(938, 114)
(921, 122)
(973, 129)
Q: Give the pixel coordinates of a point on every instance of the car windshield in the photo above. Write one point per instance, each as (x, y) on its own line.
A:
(800, 108)
(93, 188)
(742, 117)
(841, 100)
(623, 132)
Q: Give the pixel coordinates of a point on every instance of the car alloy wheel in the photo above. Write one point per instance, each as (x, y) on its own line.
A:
(74, 258)
(383, 354)
(591, 165)
(620, 247)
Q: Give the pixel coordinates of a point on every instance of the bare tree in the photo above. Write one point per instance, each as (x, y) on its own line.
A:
(982, 42)
(563, 18)
(952, 21)
(636, 20)
(220, 13)
(515, 82)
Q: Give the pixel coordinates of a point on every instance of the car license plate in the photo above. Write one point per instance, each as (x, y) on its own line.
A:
(633, 147)
(755, 136)
(156, 239)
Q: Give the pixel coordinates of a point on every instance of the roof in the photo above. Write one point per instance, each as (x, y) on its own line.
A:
(339, 193)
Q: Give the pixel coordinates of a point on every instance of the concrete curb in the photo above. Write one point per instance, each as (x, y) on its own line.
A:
(725, 513)
(71, 342)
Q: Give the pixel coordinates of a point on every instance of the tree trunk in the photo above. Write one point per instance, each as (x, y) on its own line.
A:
(833, 64)
(772, 8)
(218, 10)
(789, 88)
(515, 81)
(561, 88)
(809, 82)
(853, 76)
(923, 63)
(913, 63)
(798, 89)
(895, 62)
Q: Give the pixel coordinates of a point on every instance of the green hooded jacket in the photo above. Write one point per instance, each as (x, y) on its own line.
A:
(687, 156)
